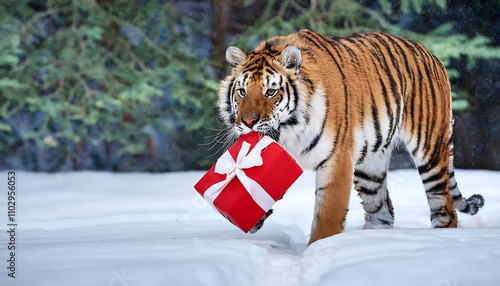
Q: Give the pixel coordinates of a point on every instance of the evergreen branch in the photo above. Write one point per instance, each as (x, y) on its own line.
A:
(33, 19)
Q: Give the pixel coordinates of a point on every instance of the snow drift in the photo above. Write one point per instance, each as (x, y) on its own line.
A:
(90, 228)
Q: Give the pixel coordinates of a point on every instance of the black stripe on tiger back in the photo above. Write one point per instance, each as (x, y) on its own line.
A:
(344, 46)
(415, 101)
(388, 71)
(378, 55)
(393, 83)
(429, 108)
(400, 52)
(313, 38)
(346, 91)
(417, 95)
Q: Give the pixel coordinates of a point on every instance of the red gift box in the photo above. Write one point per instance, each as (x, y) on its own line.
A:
(248, 179)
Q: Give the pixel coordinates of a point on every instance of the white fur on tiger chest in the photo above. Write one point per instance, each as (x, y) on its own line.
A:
(297, 138)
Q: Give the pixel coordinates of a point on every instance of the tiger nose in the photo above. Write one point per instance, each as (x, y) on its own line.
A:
(250, 121)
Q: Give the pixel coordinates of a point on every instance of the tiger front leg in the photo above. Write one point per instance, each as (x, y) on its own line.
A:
(260, 224)
(333, 186)
(370, 180)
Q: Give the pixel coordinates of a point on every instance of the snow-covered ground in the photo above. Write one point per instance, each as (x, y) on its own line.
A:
(90, 228)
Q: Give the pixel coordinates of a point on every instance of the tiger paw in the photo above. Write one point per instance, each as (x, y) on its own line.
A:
(261, 222)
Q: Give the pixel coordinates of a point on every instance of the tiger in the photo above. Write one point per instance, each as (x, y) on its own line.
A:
(339, 106)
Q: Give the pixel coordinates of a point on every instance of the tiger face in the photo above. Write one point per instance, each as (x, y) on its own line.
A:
(260, 95)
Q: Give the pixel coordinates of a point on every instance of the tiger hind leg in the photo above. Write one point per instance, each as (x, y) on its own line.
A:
(435, 175)
(470, 205)
(370, 180)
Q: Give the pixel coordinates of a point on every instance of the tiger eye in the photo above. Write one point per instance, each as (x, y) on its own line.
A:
(242, 92)
(271, 92)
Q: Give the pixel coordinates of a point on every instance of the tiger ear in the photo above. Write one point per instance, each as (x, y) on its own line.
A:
(292, 59)
(235, 56)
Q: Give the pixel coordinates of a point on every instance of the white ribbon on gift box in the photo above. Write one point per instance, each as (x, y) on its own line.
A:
(245, 160)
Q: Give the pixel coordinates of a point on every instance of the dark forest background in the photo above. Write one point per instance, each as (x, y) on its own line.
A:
(131, 85)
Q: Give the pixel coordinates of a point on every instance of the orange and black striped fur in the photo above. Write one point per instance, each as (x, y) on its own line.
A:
(338, 106)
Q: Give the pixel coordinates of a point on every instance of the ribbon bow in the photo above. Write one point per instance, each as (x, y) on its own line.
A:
(245, 160)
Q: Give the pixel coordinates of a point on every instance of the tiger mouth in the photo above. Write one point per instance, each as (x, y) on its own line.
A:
(271, 132)
(264, 129)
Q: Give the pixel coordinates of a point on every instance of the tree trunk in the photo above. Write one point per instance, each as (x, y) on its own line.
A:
(220, 23)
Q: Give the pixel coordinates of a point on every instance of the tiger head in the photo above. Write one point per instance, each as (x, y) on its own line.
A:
(262, 92)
